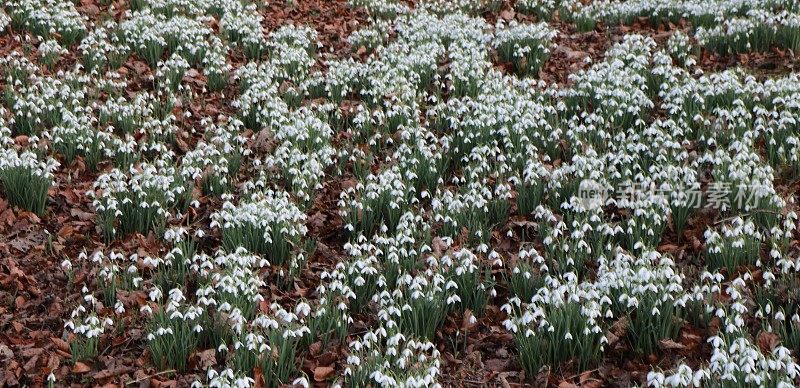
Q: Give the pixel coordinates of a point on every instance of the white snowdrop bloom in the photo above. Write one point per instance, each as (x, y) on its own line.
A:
(119, 308)
(302, 309)
(5, 20)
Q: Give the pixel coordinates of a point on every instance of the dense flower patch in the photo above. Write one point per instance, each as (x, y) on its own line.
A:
(642, 202)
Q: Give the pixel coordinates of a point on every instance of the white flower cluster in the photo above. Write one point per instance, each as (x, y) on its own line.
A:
(38, 101)
(215, 64)
(699, 13)
(227, 378)
(216, 159)
(650, 291)
(26, 179)
(116, 272)
(268, 223)
(378, 203)
(737, 243)
(444, 7)
(87, 328)
(391, 360)
(49, 51)
(330, 316)
(237, 284)
(103, 46)
(418, 303)
(151, 34)
(369, 37)
(270, 342)
(545, 9)
(296, 46)
(527, 45)
(10, 159)
(756, 31)
(260, 104)
(171, 71)
(139, 200)
(679, 47)
(385, 9)
(5, 21)
(303, 152)
(46, 17)
(561, 322)
(241, 23)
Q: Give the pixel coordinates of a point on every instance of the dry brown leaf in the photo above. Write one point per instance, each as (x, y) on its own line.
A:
(206, 359)
(60, 344)
(767, 341)
(80, 368)
(321, 373)
(497, 365)
(668, 344)
(315, 348)
(317, 219)
(82, 215)
(507, 14)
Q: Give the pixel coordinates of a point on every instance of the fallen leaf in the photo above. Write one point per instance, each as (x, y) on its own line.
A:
(20, 302)
(593, 383)
(53, 362)
(24, 244)
(767, 341)
(207, 358)
(327, 358)
(31, 352)
(258, 377)
(321, 373)
(82, 215)
(31, 364)
(439, 246)
(107, 373)
(140, 67)
(584, 377)
(315, 348)
(6, 352)
(80, 368)
(497, 365)
(182, 145)
(65, 231)
(507, 14)
(668, 344)
(668, 248)
(264, 141)
(163, 384)
(317, 219)
(612, 338)
(89, 9)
